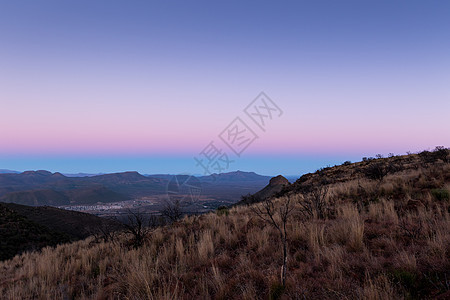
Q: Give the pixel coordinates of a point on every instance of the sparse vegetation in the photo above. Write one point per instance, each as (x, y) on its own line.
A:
(385, 239)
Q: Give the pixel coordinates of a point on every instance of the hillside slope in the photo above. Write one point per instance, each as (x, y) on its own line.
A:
(87, 195)
(372, 237)
(18, 234)
(36, 198)
(24, 228)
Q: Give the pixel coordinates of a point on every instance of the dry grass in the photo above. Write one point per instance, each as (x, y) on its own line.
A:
(384, 249)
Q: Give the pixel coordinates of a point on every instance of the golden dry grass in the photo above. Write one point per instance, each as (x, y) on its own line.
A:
(386, 249)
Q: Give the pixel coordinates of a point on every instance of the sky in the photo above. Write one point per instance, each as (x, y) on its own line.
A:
(110, 86)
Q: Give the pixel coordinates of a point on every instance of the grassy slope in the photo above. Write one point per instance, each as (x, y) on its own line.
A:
(384, 239)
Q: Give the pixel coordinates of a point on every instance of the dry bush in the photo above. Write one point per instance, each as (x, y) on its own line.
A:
(315, 203)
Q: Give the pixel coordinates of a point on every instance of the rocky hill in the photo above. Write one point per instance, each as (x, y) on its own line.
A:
(275, 186)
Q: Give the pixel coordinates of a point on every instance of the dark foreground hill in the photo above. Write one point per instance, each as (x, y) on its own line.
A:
(36, 198)
(86, 195)
(19, 234)
(25, 228)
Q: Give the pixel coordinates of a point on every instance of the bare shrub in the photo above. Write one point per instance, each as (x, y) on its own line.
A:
(106, 231)
(314, 203)
(140, 226)
(172, 210)
(277, 217)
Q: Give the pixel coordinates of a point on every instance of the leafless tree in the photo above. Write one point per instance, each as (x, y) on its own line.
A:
(172, 209)
(278, 218)
(140, 226)
(314, 202)
(107, 231)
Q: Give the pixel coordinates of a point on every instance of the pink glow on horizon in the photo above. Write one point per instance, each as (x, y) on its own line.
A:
(95, 142)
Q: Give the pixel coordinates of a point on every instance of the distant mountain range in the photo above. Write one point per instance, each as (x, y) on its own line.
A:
(81, 174)
(219, 178)
(238, 176)
(44, 188)
(38, 188)
(4, 171)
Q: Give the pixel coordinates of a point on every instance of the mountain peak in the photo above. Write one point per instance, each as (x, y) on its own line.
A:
(38, 172)
(5, 171)
(235, 176)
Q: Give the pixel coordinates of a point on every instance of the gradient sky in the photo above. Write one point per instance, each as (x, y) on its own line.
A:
(106, 86)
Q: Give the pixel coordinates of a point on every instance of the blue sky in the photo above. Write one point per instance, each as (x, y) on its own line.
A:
(104, 86)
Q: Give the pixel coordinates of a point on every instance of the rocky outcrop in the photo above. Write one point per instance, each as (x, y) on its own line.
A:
(275, 186)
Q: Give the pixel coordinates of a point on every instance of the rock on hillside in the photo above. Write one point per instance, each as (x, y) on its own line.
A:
(275, 186)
